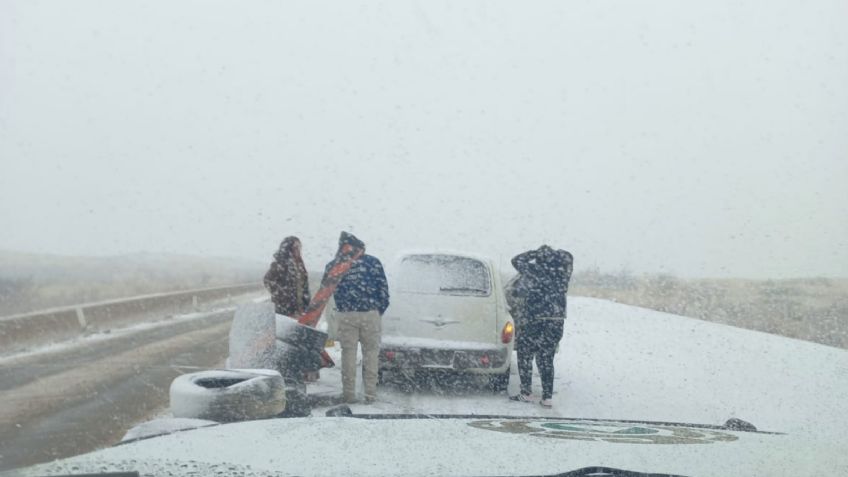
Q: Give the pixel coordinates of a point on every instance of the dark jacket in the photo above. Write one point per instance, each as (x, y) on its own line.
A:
(287, 281)
(545, 274)
(516, 290)
(364, 287)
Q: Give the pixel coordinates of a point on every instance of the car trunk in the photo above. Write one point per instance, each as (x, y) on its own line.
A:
(444, 318)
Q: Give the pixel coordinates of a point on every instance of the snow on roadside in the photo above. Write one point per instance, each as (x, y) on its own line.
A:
(624, 362)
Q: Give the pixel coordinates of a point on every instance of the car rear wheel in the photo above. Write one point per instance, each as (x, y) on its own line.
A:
(499, 382)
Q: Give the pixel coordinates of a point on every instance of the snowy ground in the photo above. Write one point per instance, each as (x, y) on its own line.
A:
(616, 362)
(623, 362)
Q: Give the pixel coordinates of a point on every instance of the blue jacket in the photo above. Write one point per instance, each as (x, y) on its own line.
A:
(364, 287)
(545, 275)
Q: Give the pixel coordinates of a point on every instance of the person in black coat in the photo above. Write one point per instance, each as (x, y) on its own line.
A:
(538, 305)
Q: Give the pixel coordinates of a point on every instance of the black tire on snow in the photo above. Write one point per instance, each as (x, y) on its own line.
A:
(228, 395)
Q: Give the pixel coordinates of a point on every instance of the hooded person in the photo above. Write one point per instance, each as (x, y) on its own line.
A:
(539, 299)
(287, 280)
(361, 298)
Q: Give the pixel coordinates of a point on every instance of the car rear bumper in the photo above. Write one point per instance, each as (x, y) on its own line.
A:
(483, 361)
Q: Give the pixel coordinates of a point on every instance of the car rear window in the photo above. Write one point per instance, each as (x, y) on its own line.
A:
(444, 275)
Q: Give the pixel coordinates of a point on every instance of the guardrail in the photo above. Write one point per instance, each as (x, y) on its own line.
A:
(59, 324)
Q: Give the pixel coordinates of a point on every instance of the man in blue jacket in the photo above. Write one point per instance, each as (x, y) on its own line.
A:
(544, 274)
(361, 299)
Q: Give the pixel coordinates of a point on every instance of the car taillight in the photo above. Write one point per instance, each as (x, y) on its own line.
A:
(508, 331)
(390, 355)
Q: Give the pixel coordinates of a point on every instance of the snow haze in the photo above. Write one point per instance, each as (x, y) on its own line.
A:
(695, 138)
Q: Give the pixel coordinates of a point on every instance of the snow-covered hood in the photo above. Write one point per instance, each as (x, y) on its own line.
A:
(480, 446)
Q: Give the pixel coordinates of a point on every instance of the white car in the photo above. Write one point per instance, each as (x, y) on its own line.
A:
(447, 312)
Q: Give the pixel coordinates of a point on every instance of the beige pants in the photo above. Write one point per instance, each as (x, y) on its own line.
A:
(359, 327)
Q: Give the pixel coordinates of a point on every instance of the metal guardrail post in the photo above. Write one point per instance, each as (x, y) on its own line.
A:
(81, 318)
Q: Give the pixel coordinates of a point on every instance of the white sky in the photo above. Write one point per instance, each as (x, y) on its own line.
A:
(697, 138)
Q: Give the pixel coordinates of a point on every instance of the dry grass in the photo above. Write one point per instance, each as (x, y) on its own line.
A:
(814, 309)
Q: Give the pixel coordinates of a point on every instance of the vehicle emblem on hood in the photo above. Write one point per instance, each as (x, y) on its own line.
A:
(619, 433)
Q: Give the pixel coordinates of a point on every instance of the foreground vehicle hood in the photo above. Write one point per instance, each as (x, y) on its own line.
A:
(357, 446)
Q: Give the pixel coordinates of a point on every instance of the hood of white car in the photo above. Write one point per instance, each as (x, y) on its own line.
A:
(465, 446)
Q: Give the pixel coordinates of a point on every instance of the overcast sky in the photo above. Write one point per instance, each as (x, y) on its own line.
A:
(696, 138)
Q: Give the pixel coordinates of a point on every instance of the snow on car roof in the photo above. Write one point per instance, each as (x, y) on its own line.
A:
(448, 252)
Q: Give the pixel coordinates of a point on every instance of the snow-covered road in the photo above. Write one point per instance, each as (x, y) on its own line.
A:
(615, 362)
(66, 398)
(623, 362)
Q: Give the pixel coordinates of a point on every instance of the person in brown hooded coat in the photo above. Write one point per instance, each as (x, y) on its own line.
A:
(287, 280)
